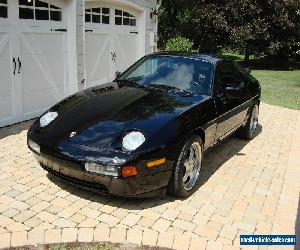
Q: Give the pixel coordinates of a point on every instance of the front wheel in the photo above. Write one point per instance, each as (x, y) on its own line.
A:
(249, 130)
(185, 177)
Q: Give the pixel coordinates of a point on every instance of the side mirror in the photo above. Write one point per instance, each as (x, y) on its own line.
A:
(248, 70)
(117, 75)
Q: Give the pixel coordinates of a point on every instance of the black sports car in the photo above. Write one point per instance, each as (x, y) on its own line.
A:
(145, 133)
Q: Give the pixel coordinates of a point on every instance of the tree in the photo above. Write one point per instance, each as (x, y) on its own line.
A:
(260, 27)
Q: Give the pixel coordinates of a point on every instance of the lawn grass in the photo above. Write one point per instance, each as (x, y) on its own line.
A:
(280, 88)
(99, 246)
(93, 246)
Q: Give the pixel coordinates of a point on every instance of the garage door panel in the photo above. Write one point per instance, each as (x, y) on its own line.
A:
(43, 73)
(36, 102)
(6, 83)
(126, 47)
(39, 43)
(6, 110)
(98, 59)
(96, 42)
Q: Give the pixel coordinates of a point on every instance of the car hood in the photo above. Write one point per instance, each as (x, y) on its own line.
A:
(96, 116)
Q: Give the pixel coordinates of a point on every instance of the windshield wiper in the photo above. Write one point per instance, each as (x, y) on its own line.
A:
(172, 88)
(130, 81)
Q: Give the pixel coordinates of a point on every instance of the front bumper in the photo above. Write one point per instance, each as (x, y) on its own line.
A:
(139, 186)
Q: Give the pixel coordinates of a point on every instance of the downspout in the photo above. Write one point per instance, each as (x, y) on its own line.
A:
(157, 7)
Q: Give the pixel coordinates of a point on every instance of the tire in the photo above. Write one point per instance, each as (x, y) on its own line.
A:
(248, 132)
(183, 183)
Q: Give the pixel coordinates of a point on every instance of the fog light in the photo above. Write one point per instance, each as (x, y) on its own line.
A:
(101, 169)
(34, 146)
(129, 171)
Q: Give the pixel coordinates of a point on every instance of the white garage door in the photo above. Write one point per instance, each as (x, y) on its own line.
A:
(32, 58)
(112, 43)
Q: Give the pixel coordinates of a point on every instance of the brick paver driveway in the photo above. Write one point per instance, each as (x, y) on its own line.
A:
(247, 187)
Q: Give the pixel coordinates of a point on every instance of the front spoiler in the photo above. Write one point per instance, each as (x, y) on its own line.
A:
(100, 189)
(73, 172)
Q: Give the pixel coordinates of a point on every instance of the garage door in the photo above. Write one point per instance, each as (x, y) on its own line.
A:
(32, 52)
(111, 42)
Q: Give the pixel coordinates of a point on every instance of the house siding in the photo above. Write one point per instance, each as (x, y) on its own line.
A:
(150, 26)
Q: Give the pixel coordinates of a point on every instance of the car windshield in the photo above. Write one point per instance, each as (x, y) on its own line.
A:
(181, 73)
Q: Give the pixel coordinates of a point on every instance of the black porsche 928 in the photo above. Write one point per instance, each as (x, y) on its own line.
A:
(146, 132)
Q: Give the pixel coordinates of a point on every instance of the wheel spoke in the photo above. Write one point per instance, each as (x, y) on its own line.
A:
(192, 154)
(186, 176)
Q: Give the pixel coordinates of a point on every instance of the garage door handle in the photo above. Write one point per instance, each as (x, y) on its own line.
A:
(20, 65)
(88, 30)
(113, 56)
(15, 65)
(61, 30)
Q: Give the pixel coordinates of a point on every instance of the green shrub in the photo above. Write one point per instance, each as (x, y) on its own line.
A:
(179, 44)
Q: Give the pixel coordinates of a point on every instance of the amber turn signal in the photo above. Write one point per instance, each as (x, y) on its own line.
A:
(129, 171)
(152, 164)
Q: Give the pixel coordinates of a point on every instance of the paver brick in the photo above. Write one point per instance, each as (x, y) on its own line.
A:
(109, 219)
(36, 236)
(101, 234)
(85, 234)
(19, 239)
(88, 222)
(170, 214)
(118, 235)
(184, 225)
(53, 236)
(149, 237)
(46, 216)
(17, 227)
(134, 236)
(161, 225)
(181, 242)
(131, 219)
(69, 234)
(5, 240)
(165, 239)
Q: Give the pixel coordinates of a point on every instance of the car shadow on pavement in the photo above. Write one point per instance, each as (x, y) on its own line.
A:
(15, 129)
(213, 160)
(217, 156)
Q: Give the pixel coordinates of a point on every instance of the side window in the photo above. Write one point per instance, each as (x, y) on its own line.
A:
(3, 8)
(228, 75)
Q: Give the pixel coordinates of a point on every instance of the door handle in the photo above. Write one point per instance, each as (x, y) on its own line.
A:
(222, 98)
(15, 65)
(20, 65)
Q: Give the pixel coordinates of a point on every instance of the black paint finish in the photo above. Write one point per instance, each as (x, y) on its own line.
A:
(100, 116)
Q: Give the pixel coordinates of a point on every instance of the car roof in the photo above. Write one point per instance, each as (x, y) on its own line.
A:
(193, 55)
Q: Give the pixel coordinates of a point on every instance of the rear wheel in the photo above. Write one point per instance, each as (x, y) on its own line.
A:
(185, 177)
(249, 130)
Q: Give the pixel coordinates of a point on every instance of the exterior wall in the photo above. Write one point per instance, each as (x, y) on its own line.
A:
(80, 43)
(150, 26)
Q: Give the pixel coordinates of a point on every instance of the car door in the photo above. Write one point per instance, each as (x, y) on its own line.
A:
(230, 109)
